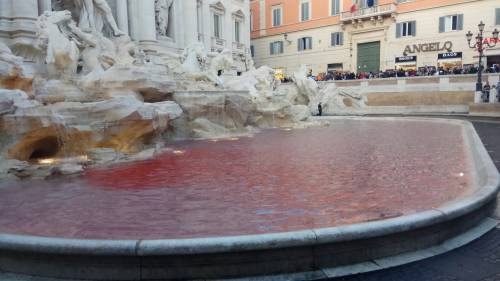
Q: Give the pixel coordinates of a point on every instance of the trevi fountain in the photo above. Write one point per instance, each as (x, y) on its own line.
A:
(118, 163)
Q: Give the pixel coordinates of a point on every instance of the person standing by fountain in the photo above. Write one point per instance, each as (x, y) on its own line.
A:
(320, 109)
(493, 94)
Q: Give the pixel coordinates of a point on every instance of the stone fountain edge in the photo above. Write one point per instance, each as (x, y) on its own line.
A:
(306, 239)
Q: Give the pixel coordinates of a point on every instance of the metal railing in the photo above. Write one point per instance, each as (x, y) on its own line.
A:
(369, 12)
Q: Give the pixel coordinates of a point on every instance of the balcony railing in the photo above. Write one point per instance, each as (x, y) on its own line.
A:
(218, 43)
(238, 47)
(369, 12)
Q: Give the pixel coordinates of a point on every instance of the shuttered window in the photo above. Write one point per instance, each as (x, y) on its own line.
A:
(368, 3)
(337, 39)
(237, 26)
(451, 23)
(276, 47)
(276, 16)
(305, 43)
(304, 11)
(406, 29)
(217, 26)
(335, 7)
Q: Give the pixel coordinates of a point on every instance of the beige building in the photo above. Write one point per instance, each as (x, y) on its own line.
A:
(368, 35)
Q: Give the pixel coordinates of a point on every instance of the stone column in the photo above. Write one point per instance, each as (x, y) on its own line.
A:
(190, 21)
(17, 22)
(44, 5)
(262, 17)
(147, 21)
(122, 15)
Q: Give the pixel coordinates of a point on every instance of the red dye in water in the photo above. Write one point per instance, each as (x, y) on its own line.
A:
(353, 171)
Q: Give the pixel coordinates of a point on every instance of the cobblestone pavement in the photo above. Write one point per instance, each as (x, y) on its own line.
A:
(477, 261)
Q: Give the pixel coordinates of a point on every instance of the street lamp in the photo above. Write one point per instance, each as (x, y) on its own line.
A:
(480, 45)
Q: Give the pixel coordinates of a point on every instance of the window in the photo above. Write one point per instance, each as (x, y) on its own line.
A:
(217, 26)
(252, 50)
(305, 43)
(337, 39)
(497, 16)
(199, 17)
(335, 7)
(276, 47)
(276, 16)
(368, 3)
(451, 23)
(237, 26)
(305, 10)
(406, 29)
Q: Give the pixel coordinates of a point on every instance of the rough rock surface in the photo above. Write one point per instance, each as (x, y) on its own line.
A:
(338, 101)
(11, 71)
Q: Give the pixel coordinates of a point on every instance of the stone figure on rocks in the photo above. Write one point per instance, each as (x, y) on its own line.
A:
(162, 9)
(93, 14)
(54, 36)
(222, 61)
(308, 88)
(65, 44)
(194, 59)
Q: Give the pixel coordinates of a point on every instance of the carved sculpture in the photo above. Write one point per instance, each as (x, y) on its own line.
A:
(162, 10)
(65, 44)
(53, 36)
(195, 58)
(221, 62)
(93, 14)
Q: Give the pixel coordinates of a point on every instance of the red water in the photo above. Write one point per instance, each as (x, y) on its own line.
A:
(276, 181)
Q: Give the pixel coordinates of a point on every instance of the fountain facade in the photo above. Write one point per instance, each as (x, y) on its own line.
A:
(96, 91)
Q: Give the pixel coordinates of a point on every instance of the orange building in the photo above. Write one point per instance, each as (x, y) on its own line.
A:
(368, 35)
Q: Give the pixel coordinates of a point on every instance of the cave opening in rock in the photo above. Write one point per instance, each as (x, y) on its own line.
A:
(47, 147)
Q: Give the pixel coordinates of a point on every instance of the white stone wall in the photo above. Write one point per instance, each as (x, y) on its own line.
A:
(137, 18)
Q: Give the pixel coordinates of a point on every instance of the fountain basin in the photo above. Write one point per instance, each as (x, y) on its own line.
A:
(231, 254)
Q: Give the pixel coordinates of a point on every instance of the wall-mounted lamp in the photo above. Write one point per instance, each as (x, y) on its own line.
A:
(286, 38)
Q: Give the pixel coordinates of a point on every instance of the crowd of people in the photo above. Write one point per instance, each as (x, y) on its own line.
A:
(421, 71)
(491, 93)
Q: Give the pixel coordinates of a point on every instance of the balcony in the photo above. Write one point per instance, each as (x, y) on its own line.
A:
(238, 47)
(372, 13)
(218, 44)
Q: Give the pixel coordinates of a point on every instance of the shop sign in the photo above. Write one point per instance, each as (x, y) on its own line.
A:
(428, 47)
(453, 55)
(406, 59)
(491, 40)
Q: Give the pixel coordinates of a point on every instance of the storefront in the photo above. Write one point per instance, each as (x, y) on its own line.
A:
(406, 63)
(493, 60)
(335, 67)
(450, 61)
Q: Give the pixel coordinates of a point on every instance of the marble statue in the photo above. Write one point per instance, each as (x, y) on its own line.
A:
(162, 9)
(54, 29)
(65, 44)
(308, 88)
(222, 61)
(194, 60)
(93, 14)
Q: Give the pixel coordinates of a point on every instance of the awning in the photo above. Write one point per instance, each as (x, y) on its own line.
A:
(450, 56)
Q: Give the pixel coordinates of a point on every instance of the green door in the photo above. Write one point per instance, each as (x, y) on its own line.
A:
(369, 57)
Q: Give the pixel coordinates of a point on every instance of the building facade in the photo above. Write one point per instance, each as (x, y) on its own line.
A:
(156, 24)
(369, 35)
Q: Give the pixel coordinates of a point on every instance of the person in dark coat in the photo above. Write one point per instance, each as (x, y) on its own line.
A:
(320, 109)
